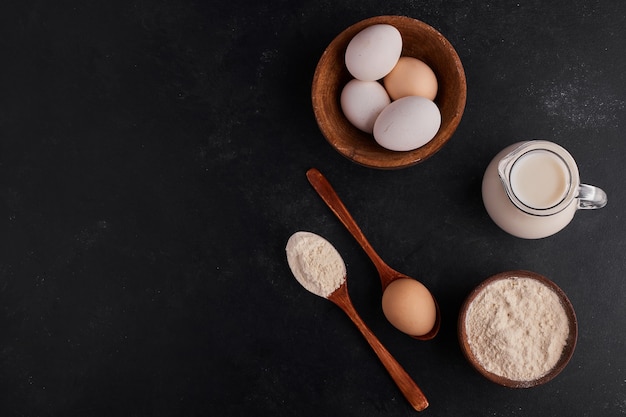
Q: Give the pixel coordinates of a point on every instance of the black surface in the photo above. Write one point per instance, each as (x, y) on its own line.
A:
(152, 168)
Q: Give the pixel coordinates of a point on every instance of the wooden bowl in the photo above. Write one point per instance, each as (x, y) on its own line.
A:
(566, 354)
(420, 41)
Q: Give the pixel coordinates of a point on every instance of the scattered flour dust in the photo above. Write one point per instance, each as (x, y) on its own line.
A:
(517, 328)
(574, 103)
(315, 263)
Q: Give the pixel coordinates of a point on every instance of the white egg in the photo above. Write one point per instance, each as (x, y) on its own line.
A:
(407, 123)
(373, 52)
(362, 102)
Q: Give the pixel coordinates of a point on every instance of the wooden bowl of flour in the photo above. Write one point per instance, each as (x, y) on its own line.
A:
(518, 329)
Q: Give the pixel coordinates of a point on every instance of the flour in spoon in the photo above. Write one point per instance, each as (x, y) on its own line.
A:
(315, 263)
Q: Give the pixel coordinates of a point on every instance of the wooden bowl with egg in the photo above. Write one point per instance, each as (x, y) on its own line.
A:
(518, 329)
(420, 41)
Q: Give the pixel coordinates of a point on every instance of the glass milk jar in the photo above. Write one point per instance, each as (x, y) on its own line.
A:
(532, 189)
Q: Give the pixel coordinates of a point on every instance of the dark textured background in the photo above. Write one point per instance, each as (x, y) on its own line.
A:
(152, 160)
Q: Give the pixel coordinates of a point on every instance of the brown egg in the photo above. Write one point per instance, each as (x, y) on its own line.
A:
(409, 306)
(411, 77)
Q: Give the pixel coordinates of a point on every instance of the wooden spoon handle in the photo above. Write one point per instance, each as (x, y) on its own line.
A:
(332, 200)
(403, 380)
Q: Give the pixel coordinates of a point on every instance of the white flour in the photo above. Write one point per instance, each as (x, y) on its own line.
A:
(517, 328)
(315, 263)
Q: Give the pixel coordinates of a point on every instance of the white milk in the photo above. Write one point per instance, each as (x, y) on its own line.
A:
(540, 179)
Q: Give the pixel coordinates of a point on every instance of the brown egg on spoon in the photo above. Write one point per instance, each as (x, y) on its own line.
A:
(409, 306)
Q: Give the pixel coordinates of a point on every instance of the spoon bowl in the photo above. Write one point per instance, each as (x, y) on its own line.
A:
(387, 273)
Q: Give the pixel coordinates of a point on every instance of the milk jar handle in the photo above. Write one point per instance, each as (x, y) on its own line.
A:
(590, 197)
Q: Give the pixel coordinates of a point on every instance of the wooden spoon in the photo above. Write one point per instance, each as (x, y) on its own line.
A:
(409, 388)
(318, 267)
(387, 274)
